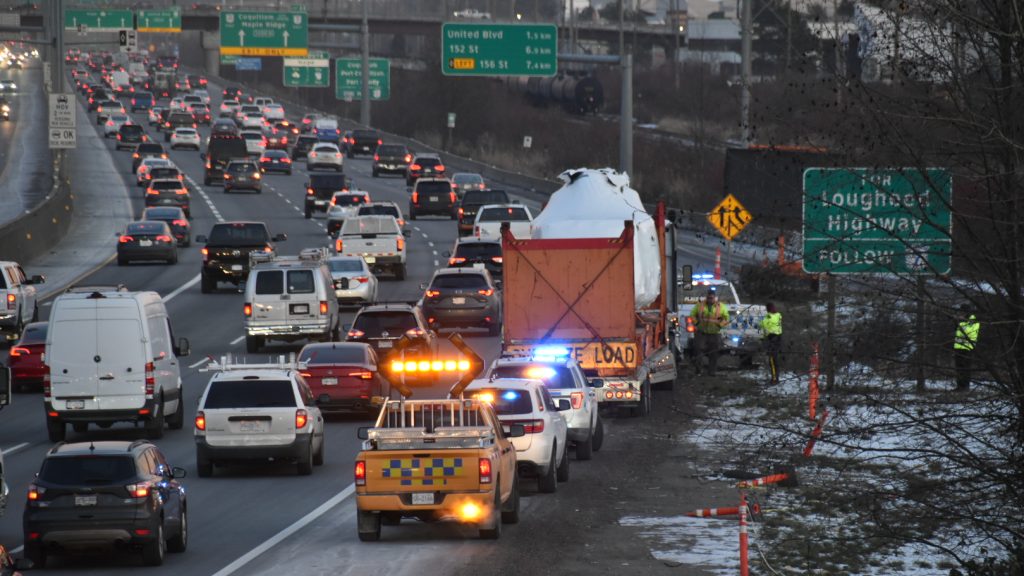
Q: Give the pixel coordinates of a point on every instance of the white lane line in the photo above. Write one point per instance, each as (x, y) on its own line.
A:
(436, 264)
(237, 340)
(283, 534)
(286, 200)
(416, 228)
(431, 244)
(13, 449)
(182, 288)
(435, 252)
(200, 363)
(206, 198)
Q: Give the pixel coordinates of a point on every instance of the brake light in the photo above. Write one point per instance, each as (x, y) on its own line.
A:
(362, 279)
(338, 245)
(529, 426)
(355, 334)
(337, 154)
(256, 175)
(312, 154)
(164, 238)
(408, 158)
(415, 197)
(576, 398)
(433, 293)
(34, 492)
(200, 421)
(247, 309)
(180, 223)
(415, 332)
(268, 249)
(286, 160)
(119, 136)
(456, 260)
(485, 470)
(452, 195)
(497, 259)
(124, 239)
(400, 241)
(486, 292)
(363, 375)
(138, 490)
(150, 380)
(360, 473)
(152, 192)
(461, 212)
(181, 192)
(439, 167)
(415, 167)
(300, 419)
(323, 306)
(20, 351)
(376, 157)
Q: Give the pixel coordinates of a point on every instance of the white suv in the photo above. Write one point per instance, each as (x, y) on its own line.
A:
(258, 412)
(544, 450)
(563, 378)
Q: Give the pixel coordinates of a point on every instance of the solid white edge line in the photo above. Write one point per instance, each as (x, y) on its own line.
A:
(200, 363)
(182, 288)
(280, 536)
(237, 340)
(15, 448)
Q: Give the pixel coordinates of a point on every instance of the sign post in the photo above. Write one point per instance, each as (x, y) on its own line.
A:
(348, 79)
(471, 49)
(245, 33)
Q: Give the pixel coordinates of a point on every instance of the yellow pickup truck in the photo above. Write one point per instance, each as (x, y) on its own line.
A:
(437, 460)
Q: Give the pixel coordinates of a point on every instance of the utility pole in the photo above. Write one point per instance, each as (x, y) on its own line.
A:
(622, 28)
(746, 33)
(675, 22)
(626, 117)
(364, 104)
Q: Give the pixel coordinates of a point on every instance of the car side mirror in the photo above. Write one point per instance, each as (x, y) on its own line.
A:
(201, 239)
(183, 349)
(280, 237)
(596, 383)
(499, 284)
(202, 156)
(407, 233)
(516, 431)
(363, 433)
(178, 472)
(562, 405)
(37, 279)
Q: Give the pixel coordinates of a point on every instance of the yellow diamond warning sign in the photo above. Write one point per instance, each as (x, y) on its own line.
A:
(729, 217)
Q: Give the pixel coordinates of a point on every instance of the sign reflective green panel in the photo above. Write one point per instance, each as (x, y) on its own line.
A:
(348, 79)
(307, 72)
(499, 49)
(245, 33)
(877, 221)
(99, 20)
(168, 20)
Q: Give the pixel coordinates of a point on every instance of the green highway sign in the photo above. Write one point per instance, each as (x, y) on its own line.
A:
(228, 59)
(168, 20)
(876, 221)
(307, 72)
(99, 20)
(245, 33)
(348, 79)
(499, 49)
(319, 55)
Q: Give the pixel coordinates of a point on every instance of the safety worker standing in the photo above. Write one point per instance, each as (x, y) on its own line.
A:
(709, 317)
(771, 334)
(964, 344)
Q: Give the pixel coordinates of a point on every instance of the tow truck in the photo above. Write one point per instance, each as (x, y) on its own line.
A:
(446, 459)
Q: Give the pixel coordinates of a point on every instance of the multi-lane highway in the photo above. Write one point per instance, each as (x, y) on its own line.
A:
(24, 161)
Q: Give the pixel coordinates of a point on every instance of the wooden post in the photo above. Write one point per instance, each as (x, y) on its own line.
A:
(830, 361)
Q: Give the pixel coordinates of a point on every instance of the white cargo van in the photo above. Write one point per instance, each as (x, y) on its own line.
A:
(112, 358)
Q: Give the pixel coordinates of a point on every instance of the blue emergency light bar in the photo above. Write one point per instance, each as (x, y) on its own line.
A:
(551, 352)
(510, 395)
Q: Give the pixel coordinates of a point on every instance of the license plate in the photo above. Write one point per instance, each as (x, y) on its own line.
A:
(329, 381)
(75, 405)
(236, 267)
(254, 426)
(300, 308)
(85, 499)
(384, 344)
(145, 242)
(370, 259)
(320, 202)
(423, 498)
(459, 300)
(433, 198)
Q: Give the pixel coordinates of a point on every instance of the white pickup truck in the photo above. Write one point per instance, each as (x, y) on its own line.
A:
(17, 299)
(490, 217)
(741, 338)
(377, 239)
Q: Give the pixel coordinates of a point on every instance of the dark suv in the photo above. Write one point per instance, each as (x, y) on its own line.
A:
(381, 325)
(178, 120)
(424, 165)
(106, 493)
(472, 200)
(226, 254)
(391, 159)
(130, 136)
(363, 142)
(433, 196)
(472, 251)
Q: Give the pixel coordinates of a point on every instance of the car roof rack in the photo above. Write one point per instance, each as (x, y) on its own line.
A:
(96, 290)
(228, 363)
(387, 303)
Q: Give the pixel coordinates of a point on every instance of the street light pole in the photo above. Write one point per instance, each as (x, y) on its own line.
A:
(364, 104)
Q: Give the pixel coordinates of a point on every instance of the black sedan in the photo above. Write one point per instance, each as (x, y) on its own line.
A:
(276, 161)
(146, 240)
(175, 217)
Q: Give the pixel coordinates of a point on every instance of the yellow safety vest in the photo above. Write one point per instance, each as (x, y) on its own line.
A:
(709, 320)
(771, 324)
(967, 334)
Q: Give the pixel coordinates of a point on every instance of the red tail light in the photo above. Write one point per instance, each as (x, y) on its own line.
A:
(362, 279)
(355, 334)
(363, 375)
(338, 245)
(376, 157)
(323, 307)
(180, 223)
(576, 398)
(309, 192)
(34, 492)
(152, 192)
(300, 419)
(486, 292)
(20, 351)
(439, 168)
(400, 241)
(433, 293)
(485, 470)
(529, 426)
(408, 158)
(124, 239)
(200, 421)
(150, 380)
(461, 212)
(415, 167)
(456, 260)
(415, 332)
(138, 490)
(360, 473)
(452, 196)
(415, 197)
(247, 309)
(164, 238)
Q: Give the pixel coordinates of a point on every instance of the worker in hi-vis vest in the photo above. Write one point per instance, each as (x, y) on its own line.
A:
(964, 343)
(709, 317)
(771, 334)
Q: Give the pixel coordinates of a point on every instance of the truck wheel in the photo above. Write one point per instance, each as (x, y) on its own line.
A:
(585, 449)
(368, 525)
(548, 483)
(155, 425)
(598, 439)
(253, 344)
(400, 272)
(493, 531)
(206, 285)
(563, 467)
(644, 407)
(510, 509)
(56, 430)
(177, 420)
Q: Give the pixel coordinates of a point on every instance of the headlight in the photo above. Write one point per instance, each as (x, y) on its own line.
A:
(6, 108)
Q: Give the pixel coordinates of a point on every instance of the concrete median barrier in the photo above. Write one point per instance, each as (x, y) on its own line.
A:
(38, 230)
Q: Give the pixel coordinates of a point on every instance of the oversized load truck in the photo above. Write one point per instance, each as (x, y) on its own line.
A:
(602, 298)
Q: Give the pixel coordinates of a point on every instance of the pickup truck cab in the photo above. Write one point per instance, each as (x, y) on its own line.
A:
(741, 338)
(378, 239)
(490, 218)
(471, 202)
(17, 299)
(344, 205)
(226, 254)
(320, 189)
(435, 460)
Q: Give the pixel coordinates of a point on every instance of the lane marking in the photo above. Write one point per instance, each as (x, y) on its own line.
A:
(206, 198)
(283, 534)
(237, 340)
(431, 244)
(182, 288)
(436, 264)
(13, 449)
(200, 363)
(17, 550)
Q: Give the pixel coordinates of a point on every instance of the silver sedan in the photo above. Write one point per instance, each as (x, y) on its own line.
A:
(354, 283)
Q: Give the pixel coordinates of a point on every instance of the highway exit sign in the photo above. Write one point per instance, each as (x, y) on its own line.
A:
(471, 49)
(348, 79)
(245, 33)
(168, 20)
(99, 20)
(307, 72)
(877, 221)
